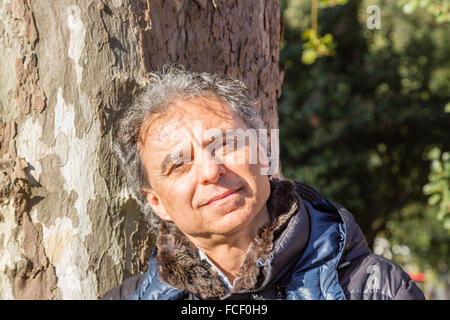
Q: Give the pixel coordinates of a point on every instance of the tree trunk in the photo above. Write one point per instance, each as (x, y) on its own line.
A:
(69, 228)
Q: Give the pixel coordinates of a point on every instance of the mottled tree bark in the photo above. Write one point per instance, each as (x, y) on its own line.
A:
(69, 228)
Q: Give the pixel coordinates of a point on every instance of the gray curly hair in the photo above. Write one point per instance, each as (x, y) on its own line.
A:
(172, 83)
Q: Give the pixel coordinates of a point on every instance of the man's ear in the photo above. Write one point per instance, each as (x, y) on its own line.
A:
(155, 203)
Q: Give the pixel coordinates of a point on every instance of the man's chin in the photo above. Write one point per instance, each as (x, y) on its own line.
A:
(232, 222)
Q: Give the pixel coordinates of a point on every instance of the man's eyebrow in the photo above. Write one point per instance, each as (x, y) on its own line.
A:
(214, 133)
(171, 158)
(168, 159)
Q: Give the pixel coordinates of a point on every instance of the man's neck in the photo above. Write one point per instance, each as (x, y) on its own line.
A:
(229, 254)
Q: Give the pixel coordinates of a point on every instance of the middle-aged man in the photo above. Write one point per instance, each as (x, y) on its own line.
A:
(196, 156)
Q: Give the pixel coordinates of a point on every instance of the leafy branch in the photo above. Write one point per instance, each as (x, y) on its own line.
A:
(317, 46)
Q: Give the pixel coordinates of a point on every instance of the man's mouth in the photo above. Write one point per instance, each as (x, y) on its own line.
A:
(222, 196)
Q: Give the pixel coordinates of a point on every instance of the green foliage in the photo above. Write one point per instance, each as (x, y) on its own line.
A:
(331, 3)
(416, 226)
(439, 186)
(439, 9)
(317, 46)
(359, 125)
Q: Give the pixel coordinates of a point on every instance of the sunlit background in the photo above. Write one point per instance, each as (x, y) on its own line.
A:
(365, 119)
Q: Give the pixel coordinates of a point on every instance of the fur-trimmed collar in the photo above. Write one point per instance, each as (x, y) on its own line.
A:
(182, 268)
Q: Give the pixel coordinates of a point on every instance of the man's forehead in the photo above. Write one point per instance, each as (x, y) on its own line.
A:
(185, 121)
(187, 117)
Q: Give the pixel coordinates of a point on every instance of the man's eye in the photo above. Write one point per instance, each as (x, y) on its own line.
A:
(230, 143)
(178, 165)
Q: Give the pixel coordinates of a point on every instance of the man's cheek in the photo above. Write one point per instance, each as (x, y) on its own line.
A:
(255, 170)
(180, 191)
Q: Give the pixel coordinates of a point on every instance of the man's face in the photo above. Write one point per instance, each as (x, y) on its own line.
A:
(211, 192)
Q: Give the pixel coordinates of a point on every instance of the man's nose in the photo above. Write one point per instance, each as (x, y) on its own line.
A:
(210, 169)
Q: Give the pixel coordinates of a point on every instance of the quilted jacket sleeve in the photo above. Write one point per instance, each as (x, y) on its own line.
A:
(376, 278)
(124, 290)
(409, 291)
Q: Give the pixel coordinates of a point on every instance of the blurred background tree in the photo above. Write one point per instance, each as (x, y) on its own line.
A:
(367, 123)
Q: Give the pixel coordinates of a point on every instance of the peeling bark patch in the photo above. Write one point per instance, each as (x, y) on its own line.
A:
(76, 41)
(78, 169)
(30, 145)
(68, 254)
(140, 18)
(11, 259)
(7, 150)
(38, 279)
(58, 238)
(99, 108)
(21, 10)
(139, 242)
(78, 165)
(28, 94)
(31, 276)
(57, 202)
(117, 3)
(11, 167)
